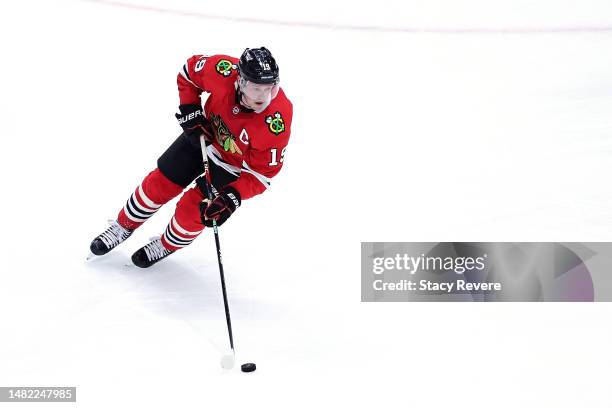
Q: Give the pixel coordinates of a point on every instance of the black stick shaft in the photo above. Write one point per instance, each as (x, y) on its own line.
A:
(209, 193)
(225, 302)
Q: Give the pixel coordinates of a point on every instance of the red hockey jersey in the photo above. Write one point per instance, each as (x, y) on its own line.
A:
(249, 145)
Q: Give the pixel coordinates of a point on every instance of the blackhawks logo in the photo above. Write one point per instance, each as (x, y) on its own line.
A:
(224, 136)
(276, 123)
(225, 67)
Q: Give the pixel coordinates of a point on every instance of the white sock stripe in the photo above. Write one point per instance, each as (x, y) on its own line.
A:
(137, 212)
(175, 225)
(175, 243)
(146, 199)
(127, 214)
(137, 204)
(172, 234)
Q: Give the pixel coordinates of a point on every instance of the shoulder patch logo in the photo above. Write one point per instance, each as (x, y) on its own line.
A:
(225, 67)
(276, 123)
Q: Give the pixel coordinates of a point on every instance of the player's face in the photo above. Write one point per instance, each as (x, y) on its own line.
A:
(257, 96)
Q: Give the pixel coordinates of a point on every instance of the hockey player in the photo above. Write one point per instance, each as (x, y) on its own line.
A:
(246, 121)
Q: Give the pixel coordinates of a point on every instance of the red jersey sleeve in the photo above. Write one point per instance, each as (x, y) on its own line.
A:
(264, 159)
(203, 73)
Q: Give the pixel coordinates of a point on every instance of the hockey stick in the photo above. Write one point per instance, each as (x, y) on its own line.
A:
(228, 360)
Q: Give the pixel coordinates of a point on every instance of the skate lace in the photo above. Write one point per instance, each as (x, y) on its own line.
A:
(155, 250)
(114, 235)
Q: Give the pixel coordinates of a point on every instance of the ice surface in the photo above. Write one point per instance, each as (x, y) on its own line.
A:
(396, 137)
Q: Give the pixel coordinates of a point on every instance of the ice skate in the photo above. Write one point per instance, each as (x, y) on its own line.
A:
(150, 254)
(109, 239)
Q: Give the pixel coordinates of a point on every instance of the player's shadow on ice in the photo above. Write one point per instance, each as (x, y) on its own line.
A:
(179, 288)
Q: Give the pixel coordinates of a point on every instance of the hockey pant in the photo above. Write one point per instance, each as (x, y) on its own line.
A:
(176, 169)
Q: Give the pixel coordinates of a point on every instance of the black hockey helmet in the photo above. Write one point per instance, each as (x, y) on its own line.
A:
(257, 65)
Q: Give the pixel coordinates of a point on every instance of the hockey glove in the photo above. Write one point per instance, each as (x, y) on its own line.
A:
(219, 209)
(194, 123)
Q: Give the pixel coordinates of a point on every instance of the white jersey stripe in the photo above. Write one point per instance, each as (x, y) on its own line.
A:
(263, 179)
(184, 72)
(215, 156)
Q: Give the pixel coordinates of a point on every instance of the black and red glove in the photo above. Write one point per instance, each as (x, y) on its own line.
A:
(194, 123)
(221, 207)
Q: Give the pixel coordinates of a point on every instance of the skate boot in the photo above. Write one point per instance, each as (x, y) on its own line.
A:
(109, 239)
(150, 254)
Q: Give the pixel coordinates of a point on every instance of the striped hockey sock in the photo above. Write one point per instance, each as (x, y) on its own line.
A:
(176, 237)
(137, 209)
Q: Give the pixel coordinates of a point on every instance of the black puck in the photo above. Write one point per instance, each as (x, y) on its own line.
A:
(248, 367)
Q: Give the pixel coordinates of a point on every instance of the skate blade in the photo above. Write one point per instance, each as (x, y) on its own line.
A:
(91, 256)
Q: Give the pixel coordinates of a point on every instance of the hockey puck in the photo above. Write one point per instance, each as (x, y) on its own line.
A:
(248, 367)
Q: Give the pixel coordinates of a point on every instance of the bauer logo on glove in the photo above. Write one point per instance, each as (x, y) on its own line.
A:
(189, 117)
(194, 123)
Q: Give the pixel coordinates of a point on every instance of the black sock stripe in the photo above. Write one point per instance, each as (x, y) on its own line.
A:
(129, 210)
(172, 236)
(174, 243)
(138, 208)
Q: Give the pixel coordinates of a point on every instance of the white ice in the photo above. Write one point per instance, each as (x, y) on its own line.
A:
(397, 136)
